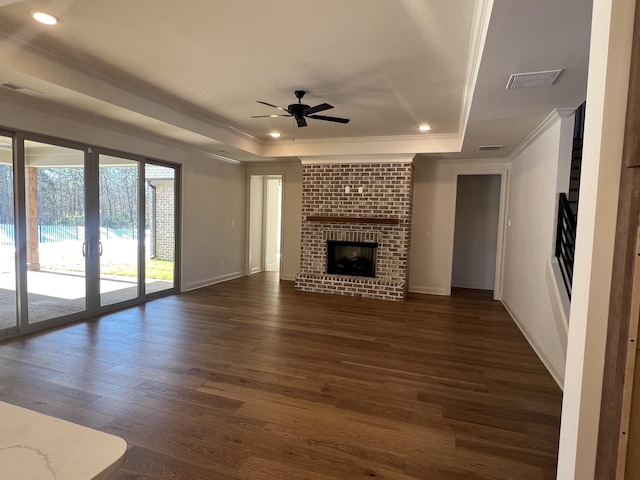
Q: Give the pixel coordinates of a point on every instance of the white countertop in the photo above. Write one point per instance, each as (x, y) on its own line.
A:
(34, 446)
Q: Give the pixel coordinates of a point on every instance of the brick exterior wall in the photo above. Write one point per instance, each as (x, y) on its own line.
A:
(162, 234)
(165, 222)
(387, 193)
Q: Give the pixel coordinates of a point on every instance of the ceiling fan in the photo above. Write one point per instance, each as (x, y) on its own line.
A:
(300, 111)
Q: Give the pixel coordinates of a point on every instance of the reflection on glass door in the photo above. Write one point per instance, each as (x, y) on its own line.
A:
(160, 195)
(118, 246)
(55, 216)
(8, 301)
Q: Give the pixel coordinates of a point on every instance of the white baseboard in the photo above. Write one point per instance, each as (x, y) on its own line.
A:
(212, 281)
(474, 286)
(288, 277)
(429, 290)
(256, 270)
(560, 302)
(556, 372)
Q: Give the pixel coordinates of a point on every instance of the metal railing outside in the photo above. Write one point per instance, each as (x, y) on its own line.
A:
(64, 233)
(7, 234)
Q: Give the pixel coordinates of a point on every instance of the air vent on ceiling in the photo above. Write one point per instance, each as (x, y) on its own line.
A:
(20, 88)
(490, 148)
(533, 79)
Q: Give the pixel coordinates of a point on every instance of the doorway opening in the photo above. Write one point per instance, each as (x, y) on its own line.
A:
(476, 228)
(265, 223)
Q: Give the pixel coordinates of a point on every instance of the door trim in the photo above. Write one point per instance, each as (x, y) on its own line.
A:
(503, 171)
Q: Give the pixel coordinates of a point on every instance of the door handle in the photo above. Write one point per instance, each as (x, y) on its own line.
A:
(84, 249)
(99, 248)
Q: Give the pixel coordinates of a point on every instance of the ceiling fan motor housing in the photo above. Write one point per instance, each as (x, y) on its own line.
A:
(297, 109)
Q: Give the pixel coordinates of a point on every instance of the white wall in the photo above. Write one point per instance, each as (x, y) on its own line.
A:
(432, 238)
(476, 231)
(536, 173)
(291, 173)
(530, 238)
(213, 192)
(609, 60)
(213, 222)
(272, 226)
(256, 226)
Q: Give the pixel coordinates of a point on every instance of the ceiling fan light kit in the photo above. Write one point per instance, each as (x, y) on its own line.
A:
(301, 112)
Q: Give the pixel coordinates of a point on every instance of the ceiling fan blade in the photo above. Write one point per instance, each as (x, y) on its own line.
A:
(329, 119)
(270, 116)
(301, 121)
(318, 108)
(271, 105)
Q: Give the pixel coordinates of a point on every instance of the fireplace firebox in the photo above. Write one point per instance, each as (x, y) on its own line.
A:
(351, 258)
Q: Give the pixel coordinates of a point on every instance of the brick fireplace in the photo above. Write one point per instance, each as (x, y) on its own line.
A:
(368, 202)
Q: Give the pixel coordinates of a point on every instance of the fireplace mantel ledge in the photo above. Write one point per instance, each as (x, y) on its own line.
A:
(382, 221)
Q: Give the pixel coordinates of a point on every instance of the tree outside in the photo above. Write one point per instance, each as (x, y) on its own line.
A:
(61, 218)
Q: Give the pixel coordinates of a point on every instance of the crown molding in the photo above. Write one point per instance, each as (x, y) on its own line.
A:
(353, 159)
(555, 115)
(217, 157)
(125, 92)
(380, 145)
(377, 138)
(56, 55)
(69, 114)
(479, 29)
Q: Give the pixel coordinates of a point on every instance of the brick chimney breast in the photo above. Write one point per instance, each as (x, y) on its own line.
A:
(361, 203)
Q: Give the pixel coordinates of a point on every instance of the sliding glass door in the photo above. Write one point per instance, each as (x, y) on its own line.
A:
(119, 240)
(160, 239)
(8, 298)
(82, 231)
(55, 231)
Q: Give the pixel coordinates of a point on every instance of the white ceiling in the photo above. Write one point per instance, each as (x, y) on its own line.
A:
(192, 70)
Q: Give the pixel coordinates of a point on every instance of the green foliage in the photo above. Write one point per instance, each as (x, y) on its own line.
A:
(72, 219)
(119, 220)
(61, 195)
(155, 270)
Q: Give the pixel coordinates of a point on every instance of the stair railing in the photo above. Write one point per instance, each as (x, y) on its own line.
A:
(566, 241)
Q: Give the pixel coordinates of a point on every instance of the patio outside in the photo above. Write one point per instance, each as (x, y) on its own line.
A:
(59, 287)
(56, 280)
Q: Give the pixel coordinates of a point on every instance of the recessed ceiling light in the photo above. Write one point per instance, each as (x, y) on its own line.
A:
(275, 134)
(424, 127)
(45, 18)
(274, 116)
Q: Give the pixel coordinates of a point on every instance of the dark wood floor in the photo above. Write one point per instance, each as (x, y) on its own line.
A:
(250, 379)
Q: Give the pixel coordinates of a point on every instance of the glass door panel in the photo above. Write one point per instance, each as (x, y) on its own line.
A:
(8, 301)
(83, 230)
(118, 247)
(55, 227)
(160, 202)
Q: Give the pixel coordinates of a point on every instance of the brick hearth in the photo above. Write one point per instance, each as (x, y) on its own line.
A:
(387, 193)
